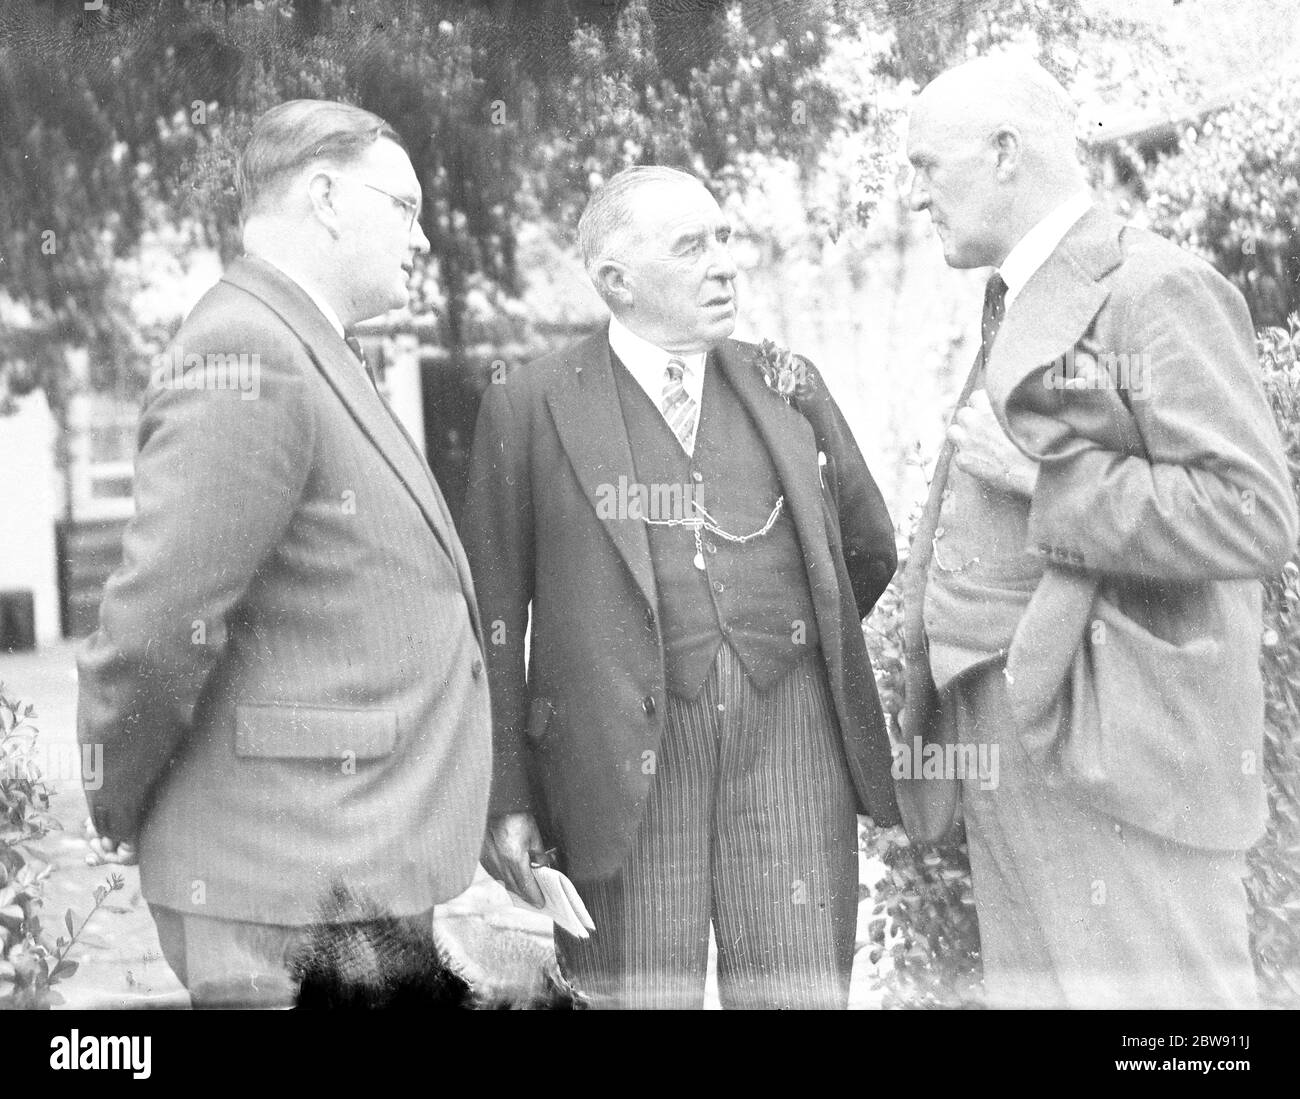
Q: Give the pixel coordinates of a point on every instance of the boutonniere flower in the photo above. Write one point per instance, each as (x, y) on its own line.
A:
(786, 374)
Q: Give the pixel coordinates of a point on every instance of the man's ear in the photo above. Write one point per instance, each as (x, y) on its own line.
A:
(323, 196)
(613, 283)
(1007, 142)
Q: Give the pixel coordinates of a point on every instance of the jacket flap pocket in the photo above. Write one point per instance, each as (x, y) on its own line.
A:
(289, 731)
(539, 718)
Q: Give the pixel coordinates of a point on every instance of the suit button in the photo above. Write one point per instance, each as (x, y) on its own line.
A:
(648, 705)
(476, 669)
(719, 586)
(697, 476)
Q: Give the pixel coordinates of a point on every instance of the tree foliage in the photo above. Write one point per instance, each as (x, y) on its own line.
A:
(1232, 193)
(138, 120)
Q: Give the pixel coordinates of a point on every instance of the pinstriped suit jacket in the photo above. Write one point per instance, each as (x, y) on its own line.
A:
(287, 678)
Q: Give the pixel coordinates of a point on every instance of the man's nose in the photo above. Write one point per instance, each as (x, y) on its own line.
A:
(419, 242)
(721, 265)
(918, 198)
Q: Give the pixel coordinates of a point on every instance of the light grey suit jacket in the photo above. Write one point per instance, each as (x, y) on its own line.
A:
(287, 679)
(1162, 500)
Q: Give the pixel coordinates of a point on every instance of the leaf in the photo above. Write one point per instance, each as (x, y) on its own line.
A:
(67, 922)
(64, 970)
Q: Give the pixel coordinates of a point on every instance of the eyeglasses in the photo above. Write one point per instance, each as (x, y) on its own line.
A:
(410, 207)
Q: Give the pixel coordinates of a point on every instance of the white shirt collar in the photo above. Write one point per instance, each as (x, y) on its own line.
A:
(307, 288)
(1032, 250)
(647, 363)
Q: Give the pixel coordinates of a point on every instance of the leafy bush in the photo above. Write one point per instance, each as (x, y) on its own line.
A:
(30, 962)
(1232, 193)
(1274, 882)
(924, 913)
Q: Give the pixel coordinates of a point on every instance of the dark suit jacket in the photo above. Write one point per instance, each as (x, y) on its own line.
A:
(287, 677)
(1158, 508)
(571, 735)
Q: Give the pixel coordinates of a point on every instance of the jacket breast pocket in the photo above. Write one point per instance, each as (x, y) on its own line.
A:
(289, 731)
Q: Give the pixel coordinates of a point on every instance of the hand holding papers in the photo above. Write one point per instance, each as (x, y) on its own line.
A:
(563, 905)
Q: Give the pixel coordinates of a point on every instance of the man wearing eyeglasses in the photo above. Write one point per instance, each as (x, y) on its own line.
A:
(287, 680)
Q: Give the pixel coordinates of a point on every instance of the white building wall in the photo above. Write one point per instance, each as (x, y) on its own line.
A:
(30, 505)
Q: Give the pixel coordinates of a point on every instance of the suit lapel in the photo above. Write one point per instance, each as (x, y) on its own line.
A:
(1056, 306)
(589, 420)
(455, 550)
(367, 408)
(792, 445)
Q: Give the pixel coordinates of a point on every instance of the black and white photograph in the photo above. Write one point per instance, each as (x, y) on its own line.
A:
(626, 506)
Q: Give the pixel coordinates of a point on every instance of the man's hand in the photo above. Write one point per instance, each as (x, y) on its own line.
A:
(508, 847)
(104, 850)
(984, 451)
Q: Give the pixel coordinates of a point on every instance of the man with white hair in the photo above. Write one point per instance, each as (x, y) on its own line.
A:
(287, 679)
(1092, 591)
(698, 722)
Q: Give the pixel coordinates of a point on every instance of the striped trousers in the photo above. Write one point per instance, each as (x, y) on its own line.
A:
(750, 824)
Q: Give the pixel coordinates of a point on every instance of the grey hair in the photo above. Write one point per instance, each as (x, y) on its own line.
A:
(605, 226)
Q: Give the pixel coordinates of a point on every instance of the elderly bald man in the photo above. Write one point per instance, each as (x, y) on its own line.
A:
(1092, 603)
(698, 722)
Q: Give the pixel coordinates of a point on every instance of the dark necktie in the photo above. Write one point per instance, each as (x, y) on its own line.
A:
(995, 308)
(354, 345)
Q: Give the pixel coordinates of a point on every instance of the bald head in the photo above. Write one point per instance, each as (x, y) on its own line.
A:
(989, 93)
(993, 142)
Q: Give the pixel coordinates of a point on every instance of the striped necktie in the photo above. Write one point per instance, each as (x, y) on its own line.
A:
(678, 406)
